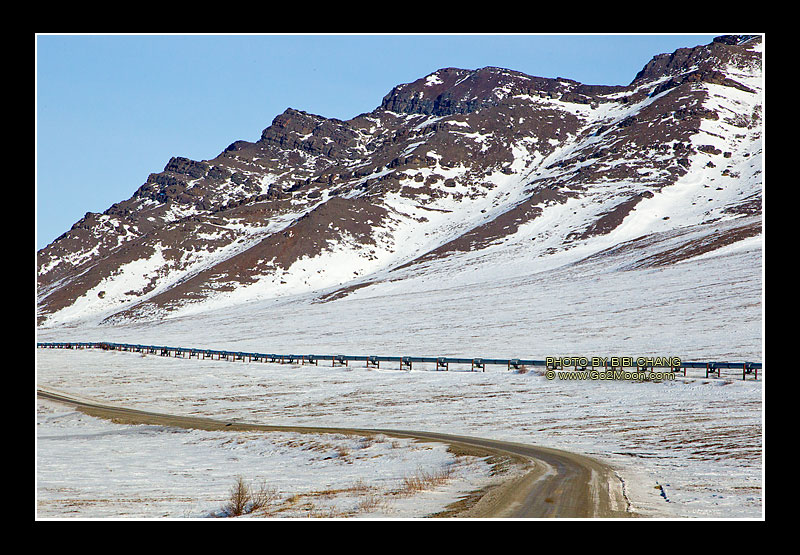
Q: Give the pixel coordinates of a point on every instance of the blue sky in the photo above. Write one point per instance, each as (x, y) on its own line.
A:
(111, 109)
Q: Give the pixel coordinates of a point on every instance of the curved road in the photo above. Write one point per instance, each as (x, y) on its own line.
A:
(559, 484)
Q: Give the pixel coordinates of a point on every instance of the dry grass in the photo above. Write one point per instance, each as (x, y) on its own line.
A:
(262, 501)
(424, 480)
(263, 497)
(245, 499)
(317, 504)
(369, 503)
(360, 487)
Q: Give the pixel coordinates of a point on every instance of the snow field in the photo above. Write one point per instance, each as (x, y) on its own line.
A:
(91, 468)
(699, 439)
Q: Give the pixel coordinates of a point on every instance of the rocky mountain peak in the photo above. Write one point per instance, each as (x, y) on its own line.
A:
(736, 40)
(451, 91)
(722, 52)
(455, 162)
(294, 121)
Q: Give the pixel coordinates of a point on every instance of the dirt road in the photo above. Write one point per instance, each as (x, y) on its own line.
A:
(558, 484)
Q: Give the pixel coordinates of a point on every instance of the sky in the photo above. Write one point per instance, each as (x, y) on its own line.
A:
(112, 109)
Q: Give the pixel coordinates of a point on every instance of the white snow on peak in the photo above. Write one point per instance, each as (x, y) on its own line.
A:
(433, 79)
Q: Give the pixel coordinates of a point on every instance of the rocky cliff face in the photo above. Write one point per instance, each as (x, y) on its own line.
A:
(458, 161)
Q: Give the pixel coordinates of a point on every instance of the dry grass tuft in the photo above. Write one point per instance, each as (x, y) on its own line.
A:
(244, 499)
(369, 503)
(424, 480)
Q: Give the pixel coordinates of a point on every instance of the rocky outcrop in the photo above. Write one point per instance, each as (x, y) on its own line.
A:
(701, 60)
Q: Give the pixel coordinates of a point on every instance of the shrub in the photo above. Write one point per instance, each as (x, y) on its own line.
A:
(239, 498)
(243, 499)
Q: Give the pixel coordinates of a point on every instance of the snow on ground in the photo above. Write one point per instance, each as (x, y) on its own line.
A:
(685, 448)
(92, 468)
(700, 439)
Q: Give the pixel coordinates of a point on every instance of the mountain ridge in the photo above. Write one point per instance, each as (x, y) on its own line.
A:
(472, 158)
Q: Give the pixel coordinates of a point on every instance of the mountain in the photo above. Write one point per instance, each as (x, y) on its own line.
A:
(482, 163)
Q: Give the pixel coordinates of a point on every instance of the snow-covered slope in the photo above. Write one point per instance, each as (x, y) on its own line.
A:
(485, 167)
